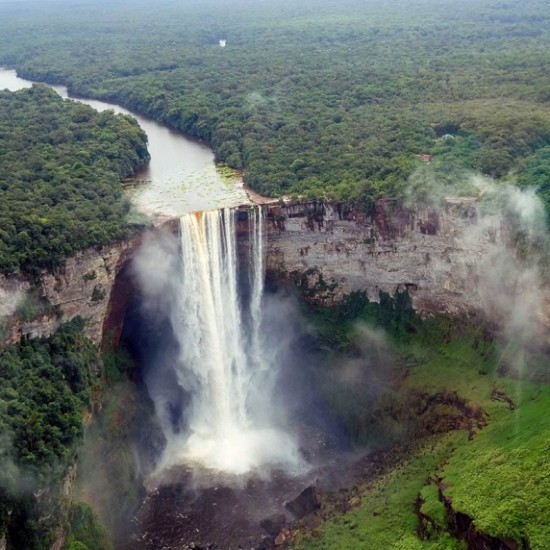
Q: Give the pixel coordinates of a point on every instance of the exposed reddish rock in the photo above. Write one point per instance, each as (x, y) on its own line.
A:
(124, 288)
(282, 537)
(391, 219)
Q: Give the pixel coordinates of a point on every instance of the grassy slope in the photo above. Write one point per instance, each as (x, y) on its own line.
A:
(386, 518)
(499, 478)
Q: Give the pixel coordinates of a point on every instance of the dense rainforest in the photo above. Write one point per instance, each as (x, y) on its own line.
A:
(61, 167)
(323, 99)
(45, 387)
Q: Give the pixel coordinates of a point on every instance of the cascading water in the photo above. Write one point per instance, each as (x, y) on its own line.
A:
(257, 275)
(222, 366)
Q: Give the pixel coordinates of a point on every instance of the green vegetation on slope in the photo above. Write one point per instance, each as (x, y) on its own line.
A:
(497, 475)
(314, 97)
(501, 478)
(86, 532)
(61, 166)
(386, 518)
(45, 386)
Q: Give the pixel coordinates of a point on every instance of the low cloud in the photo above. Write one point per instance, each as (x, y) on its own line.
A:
(156, 268)
(14, 480)
(9, 300)
(499, 250)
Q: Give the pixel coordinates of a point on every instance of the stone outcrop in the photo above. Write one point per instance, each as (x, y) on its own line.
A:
(305, 503)
(273, 524)
(82, 287)
(462, 527)
(436, 255)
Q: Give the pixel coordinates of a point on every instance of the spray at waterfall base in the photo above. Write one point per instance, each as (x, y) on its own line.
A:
(218, 405)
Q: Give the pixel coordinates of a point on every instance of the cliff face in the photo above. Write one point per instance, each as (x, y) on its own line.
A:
(452, 259)
(82, 287)
(438, 256)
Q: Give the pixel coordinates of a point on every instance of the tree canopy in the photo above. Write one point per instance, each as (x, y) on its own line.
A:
(45, 385)
(61, 166)
(316, 97)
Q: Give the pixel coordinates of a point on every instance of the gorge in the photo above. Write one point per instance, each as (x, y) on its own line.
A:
(448, 259)
(432, 250)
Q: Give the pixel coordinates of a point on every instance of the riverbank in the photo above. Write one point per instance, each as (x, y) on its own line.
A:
(181, 174)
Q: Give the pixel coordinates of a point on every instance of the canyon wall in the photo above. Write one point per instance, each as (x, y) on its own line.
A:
(82, 287)
(446, 258)
(434, 254)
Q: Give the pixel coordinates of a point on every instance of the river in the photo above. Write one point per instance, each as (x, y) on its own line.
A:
(181, 176)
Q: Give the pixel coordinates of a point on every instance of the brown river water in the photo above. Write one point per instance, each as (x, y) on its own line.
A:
(181, 176)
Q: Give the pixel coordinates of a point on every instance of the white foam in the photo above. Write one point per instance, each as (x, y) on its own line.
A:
(222, 364)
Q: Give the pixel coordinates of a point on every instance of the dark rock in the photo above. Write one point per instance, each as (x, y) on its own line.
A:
(282, 537)
(305, 503)
(497, 395)
(462, 527)
(273, 524)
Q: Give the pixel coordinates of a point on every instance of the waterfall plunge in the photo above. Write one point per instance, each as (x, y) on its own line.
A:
(222, 362)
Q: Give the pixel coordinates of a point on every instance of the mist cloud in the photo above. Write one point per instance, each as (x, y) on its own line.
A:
(156, 267)
(504, 277)
(15, 481)
(9, 300)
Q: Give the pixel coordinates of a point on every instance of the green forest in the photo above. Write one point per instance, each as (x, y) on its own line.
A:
(314, 98)
(45, 387)
(61, 167)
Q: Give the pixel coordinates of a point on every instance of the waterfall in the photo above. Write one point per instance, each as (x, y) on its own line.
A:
(257, 275)
(222, 365)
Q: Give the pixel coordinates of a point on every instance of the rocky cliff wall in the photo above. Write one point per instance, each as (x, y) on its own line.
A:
(442, 256)
(450, 259)
(82, 287)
